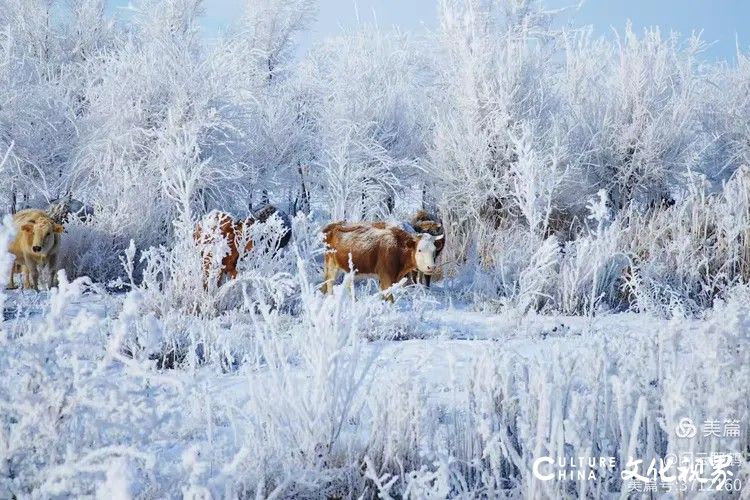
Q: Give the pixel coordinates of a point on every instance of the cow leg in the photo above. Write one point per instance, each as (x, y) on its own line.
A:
(385, 283)
(52, 271)
(34, 272)
(26, 277)
(12, 282)
(206, 270)
(224, 270)
(229, 265)
(329, 277)
(427, 279)
(330, 270)
(31, 275)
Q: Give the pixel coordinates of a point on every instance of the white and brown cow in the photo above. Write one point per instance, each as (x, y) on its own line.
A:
(424, 222)
(376, 249)
(234, 236)
(36, 245)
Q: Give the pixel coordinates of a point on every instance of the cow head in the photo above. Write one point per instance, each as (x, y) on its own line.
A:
(425, 252)
(41, 234)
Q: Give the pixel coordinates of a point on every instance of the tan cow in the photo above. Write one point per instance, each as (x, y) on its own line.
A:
(37, 244)
(385, 251)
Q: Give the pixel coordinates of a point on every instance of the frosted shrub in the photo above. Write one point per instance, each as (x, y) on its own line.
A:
(266, 270)
(178, 321)
(71, 425)
(296, 442)
(592, 271)
(87, 249)
(492, 269)
(732, 221)
(690, 253)
(574, 276)
(537, 280)
(39, 408)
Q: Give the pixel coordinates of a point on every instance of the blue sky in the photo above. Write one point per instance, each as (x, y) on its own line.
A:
(722, 21)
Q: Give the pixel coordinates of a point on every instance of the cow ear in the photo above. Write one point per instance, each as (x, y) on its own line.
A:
(59, 228)
(28, 228)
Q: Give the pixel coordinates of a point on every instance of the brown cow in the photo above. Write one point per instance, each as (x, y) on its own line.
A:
(219, 228)
(36, 245)
(423, 222)
(377, 248)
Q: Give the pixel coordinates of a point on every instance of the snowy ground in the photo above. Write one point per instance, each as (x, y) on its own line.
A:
(463, 399)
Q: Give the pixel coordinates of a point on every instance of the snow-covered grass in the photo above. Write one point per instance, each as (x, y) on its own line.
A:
(350, 396)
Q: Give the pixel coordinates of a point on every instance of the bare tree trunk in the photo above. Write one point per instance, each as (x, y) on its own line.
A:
(301, 202)
(390, 203)
(13, 200)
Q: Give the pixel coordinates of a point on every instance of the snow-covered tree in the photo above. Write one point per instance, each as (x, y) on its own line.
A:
(368, 101)
(45, 46)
